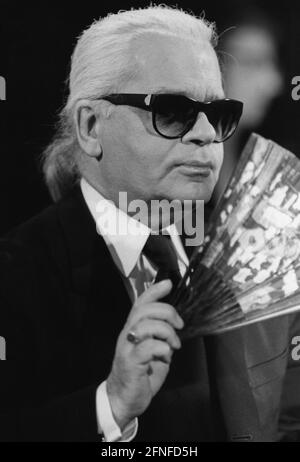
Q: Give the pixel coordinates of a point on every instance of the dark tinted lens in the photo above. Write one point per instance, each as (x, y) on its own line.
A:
(224, 116)
(173, 114)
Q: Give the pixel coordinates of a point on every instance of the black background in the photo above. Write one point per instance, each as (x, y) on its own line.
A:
(36, 43)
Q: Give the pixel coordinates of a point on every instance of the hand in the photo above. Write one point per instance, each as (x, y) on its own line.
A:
(139, 370)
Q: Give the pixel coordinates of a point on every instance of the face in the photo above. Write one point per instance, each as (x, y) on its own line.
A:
(136, 159)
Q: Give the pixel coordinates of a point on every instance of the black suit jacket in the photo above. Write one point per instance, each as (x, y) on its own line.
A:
(63, 305)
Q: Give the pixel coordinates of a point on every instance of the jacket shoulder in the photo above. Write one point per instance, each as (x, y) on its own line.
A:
(29, 253)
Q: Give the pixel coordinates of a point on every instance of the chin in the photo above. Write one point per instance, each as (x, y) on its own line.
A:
(194, 191)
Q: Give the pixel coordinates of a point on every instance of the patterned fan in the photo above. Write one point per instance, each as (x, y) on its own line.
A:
(248, 267)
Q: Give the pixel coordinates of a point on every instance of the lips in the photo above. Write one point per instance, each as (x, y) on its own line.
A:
(196, 168)
(198, 164)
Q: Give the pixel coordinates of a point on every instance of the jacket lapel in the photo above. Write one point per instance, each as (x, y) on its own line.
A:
(96, 285)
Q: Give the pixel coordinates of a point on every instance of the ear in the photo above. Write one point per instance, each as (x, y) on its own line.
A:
(87, 123)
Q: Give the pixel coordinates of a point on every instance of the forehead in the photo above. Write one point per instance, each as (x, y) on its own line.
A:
(173, 64)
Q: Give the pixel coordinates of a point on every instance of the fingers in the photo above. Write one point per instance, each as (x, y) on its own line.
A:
(156, 310)
(148, 328)
(152, 349)
(155, 292)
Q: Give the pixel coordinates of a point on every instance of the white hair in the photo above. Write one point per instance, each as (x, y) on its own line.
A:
(100, 64)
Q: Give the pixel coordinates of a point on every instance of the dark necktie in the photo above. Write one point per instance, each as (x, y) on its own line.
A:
(160, 251)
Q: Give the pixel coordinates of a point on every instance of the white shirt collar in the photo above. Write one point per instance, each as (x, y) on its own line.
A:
(124, 236)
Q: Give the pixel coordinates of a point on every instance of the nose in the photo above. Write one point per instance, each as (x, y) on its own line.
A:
(202, 132)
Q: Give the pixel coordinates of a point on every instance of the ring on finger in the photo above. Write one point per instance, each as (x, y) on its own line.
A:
(132, 337)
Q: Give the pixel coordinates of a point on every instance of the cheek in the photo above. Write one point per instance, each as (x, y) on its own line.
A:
(128, 134)
(144, 148)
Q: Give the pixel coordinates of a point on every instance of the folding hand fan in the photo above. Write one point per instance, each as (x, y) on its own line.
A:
(248, 267)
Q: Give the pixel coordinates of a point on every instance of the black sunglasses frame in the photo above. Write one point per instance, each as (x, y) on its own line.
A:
(147, 102)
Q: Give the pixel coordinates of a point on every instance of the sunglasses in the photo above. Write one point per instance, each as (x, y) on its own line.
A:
(174, 115)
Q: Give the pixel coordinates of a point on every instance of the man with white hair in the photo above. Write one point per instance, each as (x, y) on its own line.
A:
(92, 344)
